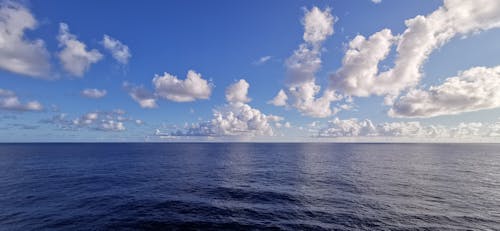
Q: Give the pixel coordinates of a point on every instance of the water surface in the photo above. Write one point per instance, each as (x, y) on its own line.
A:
(237, 186)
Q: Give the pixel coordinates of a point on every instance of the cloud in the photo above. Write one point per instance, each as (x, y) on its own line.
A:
(140, 95)
(170, 87)
(190, 89)
(74, 56)
(9, 101)
(262, 60)
(98, 121)
(471, 90)
(366, 128)
(237, 92)
(111, 125)
(235, 118)
(280, 99)
(307, 104)
(18, 54)
(119, 51)
(376, 1)
(22, 126)
(318, 25)
(93, 93)
(303, 65)
(348, 127)
(422, 36)
(360, 64)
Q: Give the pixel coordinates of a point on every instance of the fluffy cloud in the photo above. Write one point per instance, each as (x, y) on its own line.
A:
(280, 99)
(94, 93)
(111, 125)
(119, 51)
(237, 92)
(74, 56)
(236, 118)
(376, 1)
(17, 54)
(303, 65)
(472, 90)
(308, 104)
(360, 64)
(99, 121)
(359, 75)
(10, 101)
(413, 129)
(192, 88)
(318, 25)
(140, 95)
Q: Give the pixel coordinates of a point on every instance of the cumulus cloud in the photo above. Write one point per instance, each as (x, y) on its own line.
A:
(357, 76)
(360, 77)
(190, 89)
(74, 56)
(366, 128)
(111, 125)
(318, 25)
(237, 92)
(119, 51)
(376, 1)
(98, 120)
(18, 54)
(235, 118)
(302, 66)
(471, 90)
(93, 93)
(140, 95)
(280, 99)
(10, 101)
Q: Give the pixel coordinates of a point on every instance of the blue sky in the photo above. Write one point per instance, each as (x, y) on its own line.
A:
(350, 70)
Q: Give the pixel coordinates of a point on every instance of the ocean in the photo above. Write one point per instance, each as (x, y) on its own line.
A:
(249, 186)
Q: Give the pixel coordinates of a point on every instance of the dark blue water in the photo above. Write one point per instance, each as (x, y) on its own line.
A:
(249, 186)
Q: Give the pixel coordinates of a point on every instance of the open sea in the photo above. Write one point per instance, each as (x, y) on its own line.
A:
(249, 186)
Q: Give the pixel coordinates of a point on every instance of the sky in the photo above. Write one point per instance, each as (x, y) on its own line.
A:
(284, 71)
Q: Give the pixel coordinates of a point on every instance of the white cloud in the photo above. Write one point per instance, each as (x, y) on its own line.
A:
(348, 127)
(94, 93)
(262, 60)
(140, 95)
(111, 125)
(17, 54)
(308, 104)
(119, 51)
(10, 101)
(318, 25)
(303, 65)
(99, 121)
(376, 1)
(236, 118)
(192, 88)
(237, 92)
(413, 129)
(359, 75)
(494, 129)
(475, 89)
(74, 56)
(242, 120)
(280, 99)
